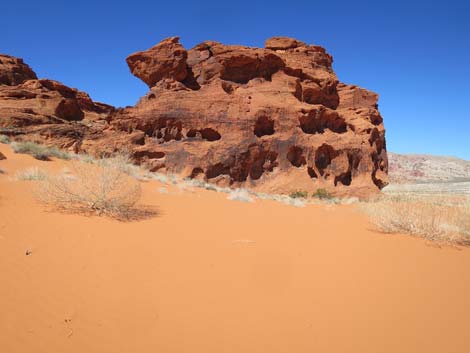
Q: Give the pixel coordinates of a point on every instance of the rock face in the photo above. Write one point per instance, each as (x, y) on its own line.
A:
(14, 71)
(45, 111)
(275, 119)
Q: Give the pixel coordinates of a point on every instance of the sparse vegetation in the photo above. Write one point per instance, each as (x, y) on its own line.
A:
(103, 188)
(31, 174)
(39, 152)
(445, 219)
(240, 195)
(322, 194)
(299, 194)
(4, 139)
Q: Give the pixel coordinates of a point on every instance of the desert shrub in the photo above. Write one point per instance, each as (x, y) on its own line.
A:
(102, 188)
(443, 219)
(240, 195)
(299, 194)
(38, 151)
(208, 186)
(86, 158)
(4, 139)
(162, 178)
(297, 202)
(121, 158)
(31, 174)
(322, 194)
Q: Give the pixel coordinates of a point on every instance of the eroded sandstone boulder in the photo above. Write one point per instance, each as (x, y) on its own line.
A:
(283, 43)
(165, 60)
(274, 119)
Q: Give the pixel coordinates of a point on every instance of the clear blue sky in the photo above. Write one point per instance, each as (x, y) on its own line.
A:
(415, 54)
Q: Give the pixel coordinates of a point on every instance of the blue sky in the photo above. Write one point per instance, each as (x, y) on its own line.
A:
(415, 54)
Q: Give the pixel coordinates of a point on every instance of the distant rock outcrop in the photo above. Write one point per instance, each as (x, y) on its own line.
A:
(14, 71)
(275, 119)
(423, 168)
(45, 111)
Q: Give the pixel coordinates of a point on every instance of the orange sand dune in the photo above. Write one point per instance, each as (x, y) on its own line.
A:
(212, 275)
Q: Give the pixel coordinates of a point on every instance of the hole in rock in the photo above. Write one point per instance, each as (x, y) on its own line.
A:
(196, 171)
(254, 162)
(311, 172)
(323, 157)
(376, 137)
(344, 179)
(380, 164)
(264, 126)
(190, 81)
(216, 170)
(149, 154)
(295, 156)
(376, 118)
(165, 129)
(373, 136)
(191, 133)
(317, 121)
(210, 134)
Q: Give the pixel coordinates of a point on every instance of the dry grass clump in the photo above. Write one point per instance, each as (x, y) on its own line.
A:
(102, 188)
(125, 162)
(444, 219)
(4, 139)
(39, 152)
(240, 195)
(31, 174)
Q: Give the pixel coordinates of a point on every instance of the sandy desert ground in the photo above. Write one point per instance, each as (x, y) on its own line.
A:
(212, 275)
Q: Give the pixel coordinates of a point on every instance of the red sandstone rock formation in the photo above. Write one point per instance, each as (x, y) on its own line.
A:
(14, 71)
(275, 119)
(45, 111)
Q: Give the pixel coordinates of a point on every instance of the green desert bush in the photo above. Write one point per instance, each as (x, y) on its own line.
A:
(102, 188)
(322, 194)
(38, 151)
(444, 219)
(299, 194)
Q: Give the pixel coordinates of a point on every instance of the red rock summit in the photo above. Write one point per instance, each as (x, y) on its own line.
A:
(274, 119)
